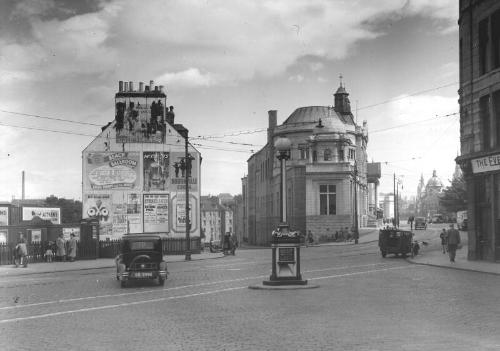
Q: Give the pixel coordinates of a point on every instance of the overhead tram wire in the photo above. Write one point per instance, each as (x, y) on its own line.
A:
(50, 118)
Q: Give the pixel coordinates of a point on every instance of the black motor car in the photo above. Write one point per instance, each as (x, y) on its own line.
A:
(140, 258)
(420, 223)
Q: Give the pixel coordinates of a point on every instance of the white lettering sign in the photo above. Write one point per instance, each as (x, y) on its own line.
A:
(486, 164)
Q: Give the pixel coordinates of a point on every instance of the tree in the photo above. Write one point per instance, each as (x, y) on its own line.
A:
(71, 210)
(454, 197)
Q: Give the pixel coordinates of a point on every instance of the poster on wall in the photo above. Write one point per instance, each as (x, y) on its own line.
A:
(100, 206)
(179, 167)
(156, 213)
(71, 230)
(36, 235)
(140, 120)
(156, 170)
(3, 236)
(4, 216)
(46, 213)
(112, 170)
(179, 203)
(134, 213)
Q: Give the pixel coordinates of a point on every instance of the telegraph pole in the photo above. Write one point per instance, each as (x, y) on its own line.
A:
(183, 131)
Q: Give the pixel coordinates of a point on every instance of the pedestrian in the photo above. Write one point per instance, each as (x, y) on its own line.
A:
(310, 238)
(347, 234)
(21, 252)
(444, 243)
(61, 248)
(49, 254)
(411, 220)
(453, 242)
(72, 248)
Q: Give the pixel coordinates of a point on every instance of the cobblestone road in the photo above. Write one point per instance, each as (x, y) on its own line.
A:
(364, 302)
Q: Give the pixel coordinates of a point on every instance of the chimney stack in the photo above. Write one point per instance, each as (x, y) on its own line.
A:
(120, 86)
(273, 121)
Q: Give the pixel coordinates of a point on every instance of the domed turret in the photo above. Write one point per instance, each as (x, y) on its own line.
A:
(434, 182)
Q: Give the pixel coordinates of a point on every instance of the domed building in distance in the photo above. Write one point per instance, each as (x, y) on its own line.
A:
(428, 195)
(326, 171)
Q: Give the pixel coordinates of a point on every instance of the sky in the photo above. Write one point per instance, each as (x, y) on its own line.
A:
(224, 65)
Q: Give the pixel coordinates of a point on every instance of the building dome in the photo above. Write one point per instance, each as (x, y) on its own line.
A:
(434, 181)
(329, 125)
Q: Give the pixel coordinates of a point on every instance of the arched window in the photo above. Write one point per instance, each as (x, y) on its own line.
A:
(327, 155)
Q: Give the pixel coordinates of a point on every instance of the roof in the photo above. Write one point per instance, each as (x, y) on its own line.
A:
(312, 114)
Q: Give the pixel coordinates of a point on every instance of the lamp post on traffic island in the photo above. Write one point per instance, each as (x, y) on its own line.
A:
(285, 244)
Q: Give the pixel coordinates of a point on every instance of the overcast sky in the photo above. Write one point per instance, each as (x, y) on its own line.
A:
(224, 65)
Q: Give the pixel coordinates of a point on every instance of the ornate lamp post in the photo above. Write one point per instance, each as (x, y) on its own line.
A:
(285, 244)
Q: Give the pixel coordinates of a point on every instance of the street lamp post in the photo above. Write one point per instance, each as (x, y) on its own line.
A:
(285, 243)
(183, 131)
(356, 224)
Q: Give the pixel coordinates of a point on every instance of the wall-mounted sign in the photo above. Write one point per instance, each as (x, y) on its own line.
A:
(156, 170)
(179, 167)
(112, 170)
(3, 236)
(156, 213)
(140, 120)
(4, 216)
(36, 235)
(71, 230)
(52, 214)
(486, 164)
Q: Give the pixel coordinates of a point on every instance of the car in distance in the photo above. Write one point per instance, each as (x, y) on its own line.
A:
(420, 223)
(141, 258)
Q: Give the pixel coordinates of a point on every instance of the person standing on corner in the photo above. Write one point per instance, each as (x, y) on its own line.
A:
(61, 248)
(72, 248)
(453, 242)
(443, 237)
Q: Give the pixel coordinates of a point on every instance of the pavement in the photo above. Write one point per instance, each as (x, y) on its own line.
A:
(430, 255)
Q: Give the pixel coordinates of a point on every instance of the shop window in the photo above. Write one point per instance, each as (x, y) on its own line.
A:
(327, 155)
(327, 199)
(484, 112)
(483, 46)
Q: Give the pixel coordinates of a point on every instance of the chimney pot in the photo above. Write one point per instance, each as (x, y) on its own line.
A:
(131, 86)
(120, 86)
(161, 88)
(151, 85)
(125, 86)
(141, 87)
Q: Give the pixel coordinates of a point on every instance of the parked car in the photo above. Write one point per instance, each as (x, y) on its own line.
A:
(420, 223)
(141, 258)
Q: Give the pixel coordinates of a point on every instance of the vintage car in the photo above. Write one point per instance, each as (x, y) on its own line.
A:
(395, 241)
(140, 258)
(420, 223)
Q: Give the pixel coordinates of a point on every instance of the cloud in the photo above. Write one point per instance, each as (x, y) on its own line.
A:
(221, 41)
(191, 77)
(297, 78)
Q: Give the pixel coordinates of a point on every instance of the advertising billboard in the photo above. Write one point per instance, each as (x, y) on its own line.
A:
(47, 213)
(140, 120)
(179, 206)
(71, 230)
(4, 215)
(179, 167)
(100, 206)
(156, 170)
(156, 213)
(112, 170)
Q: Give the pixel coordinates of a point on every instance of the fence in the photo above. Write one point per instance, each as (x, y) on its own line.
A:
(90, 249)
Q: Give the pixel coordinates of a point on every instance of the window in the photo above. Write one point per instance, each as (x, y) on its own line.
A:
(495, 39)
(352, 154)
(327, 155)
(483, 46)
(315, 156)
(341, 155)
(304, 151)
(327, 200)
(484, 113)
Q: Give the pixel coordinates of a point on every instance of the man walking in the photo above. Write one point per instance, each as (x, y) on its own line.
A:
(453, 242)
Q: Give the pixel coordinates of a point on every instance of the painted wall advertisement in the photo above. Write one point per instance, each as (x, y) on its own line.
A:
(156, 213)
(112, 170)
(179, 204)
(140, 120)
(100, 206)
(134, 213)
(156, 170)
(46, 213)
(178, 169)
(4, 216)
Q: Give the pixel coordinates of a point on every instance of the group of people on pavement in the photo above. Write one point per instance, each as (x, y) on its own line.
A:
(450, 241)
(60, 250)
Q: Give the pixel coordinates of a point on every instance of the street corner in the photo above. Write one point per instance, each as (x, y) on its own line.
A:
(261, 286)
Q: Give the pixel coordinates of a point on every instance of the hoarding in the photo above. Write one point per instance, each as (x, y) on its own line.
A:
(47, 213)
(4, 215)
(156, 170)
(112, 170)
(134, 213)
(36, 235)
(179, 168)
(156, 213)
(71, 230)
(3, 236)
(140, 120)
(179, 205)
(99, 206)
